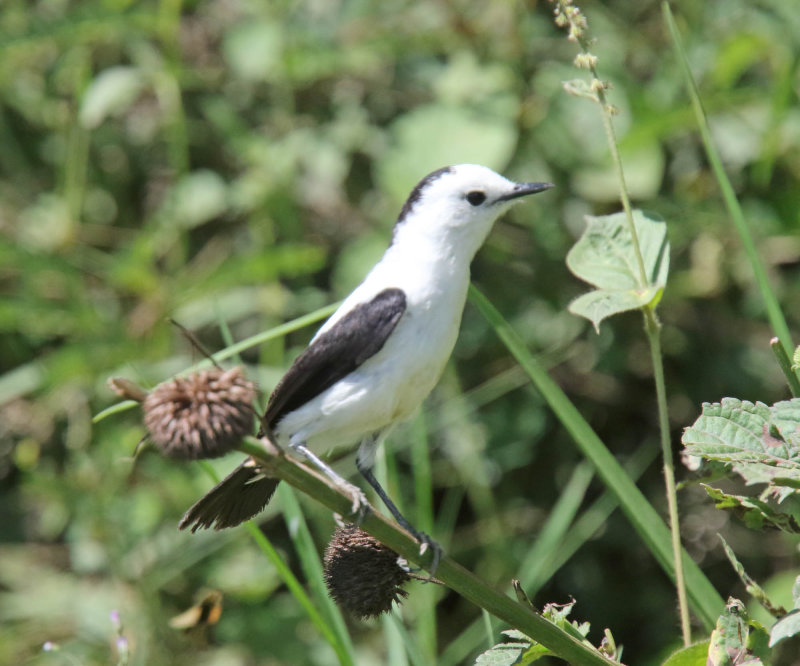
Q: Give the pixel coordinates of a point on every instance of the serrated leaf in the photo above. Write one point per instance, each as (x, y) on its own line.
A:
(504, 654)
(760, 443)
(605, 257)
(534, 653)
(755, 513)
(516, 635)
(786, 627)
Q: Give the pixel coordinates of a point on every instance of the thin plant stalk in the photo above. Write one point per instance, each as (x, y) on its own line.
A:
(577, 25)
(294, 585)
(706, 601)
(451, 574)
(653, 329)
(785, 365)
(773, 308)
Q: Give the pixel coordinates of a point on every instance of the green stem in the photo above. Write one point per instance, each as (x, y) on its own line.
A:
(653, 329)
(774, 313)
(786, 366)
(645, 519)
(290, 579)
(451, 574)
(605, 112)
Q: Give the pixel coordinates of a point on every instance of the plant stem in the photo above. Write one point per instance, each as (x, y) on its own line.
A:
(774, 312)
(653, 329)
(786, 366)
(707, 602)
(294, 585)
(451, 574)
(605, 111)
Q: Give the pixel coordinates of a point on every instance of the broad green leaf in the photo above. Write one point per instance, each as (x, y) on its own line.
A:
(694, 655)
(605, 257)
(601, 303)
(761, 443)
(786, 627)
(111, 92)
(755, 513)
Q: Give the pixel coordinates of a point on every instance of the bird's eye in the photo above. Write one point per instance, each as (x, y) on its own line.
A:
(476, 197)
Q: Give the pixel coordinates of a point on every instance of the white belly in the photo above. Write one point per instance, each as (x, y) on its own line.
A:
(389, 386)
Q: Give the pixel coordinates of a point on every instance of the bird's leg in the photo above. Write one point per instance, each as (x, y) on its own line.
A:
(364, 463)
(360, 501)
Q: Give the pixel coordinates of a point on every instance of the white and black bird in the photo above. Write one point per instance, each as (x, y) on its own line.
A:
(381, 353)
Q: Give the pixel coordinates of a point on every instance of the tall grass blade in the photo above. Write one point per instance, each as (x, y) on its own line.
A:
(706, 601)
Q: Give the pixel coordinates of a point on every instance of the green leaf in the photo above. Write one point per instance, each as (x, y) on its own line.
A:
(729, 640)
(522, 649)
(753, 588)
(111, 92)
(694, 655)
(601, 303)
(503, 654)
(761, 443)
(786, 627)
(605, 257)
(755, 513)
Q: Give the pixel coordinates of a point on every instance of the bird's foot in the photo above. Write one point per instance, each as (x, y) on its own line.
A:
(427, 544)
(360, 506)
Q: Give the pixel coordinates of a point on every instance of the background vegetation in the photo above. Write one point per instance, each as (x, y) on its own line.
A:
(242, 162)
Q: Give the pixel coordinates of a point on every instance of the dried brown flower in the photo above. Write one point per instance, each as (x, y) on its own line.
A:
(362, 574)
(202, 415)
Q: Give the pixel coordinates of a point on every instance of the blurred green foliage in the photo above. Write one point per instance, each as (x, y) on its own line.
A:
(243, 161)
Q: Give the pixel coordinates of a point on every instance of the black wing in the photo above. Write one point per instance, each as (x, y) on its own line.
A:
(361, 333)
(357, 336)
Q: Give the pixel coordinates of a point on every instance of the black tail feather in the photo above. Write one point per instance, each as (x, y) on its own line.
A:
(238, 497)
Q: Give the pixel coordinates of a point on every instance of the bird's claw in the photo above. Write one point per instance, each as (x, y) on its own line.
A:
(425, 544)
(360, 506)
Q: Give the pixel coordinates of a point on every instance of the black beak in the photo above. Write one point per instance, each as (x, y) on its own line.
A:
(524, 189)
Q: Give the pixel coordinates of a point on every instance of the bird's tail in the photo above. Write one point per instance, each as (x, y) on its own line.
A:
(238, 497)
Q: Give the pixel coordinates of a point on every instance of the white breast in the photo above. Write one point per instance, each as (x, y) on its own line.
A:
(390, 385)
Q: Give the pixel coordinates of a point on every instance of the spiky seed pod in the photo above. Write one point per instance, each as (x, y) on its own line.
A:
(362, 574)
(202, 415)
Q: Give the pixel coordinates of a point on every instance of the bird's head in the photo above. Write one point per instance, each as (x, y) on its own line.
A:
(459, 204)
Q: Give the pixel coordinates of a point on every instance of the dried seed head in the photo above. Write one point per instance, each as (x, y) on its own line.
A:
(202, 415)
(362, 574)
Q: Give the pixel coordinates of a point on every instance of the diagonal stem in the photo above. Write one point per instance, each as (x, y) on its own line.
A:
(451, 574)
